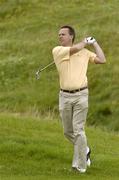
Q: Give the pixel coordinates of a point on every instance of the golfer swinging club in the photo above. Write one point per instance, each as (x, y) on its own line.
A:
(72, 61)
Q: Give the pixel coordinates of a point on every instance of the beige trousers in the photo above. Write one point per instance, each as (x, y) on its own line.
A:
(73, 109)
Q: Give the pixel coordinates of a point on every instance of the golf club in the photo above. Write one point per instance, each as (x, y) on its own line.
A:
(40, 70)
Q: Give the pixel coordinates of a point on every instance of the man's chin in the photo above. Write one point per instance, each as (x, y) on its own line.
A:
(62, 44)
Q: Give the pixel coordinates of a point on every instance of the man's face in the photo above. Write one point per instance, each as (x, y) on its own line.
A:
(65, 38)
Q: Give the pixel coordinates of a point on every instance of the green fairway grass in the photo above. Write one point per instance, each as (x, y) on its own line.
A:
(35, 148)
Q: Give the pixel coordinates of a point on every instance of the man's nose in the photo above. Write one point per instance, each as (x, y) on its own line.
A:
(60, 35)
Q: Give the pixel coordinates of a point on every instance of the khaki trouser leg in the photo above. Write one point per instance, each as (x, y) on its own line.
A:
(73, 110)
(80, 144)
(66, 113)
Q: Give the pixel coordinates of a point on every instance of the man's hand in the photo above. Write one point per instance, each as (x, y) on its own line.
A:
(90, 40)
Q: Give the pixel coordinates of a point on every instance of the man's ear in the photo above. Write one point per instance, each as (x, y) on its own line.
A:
(71, 37)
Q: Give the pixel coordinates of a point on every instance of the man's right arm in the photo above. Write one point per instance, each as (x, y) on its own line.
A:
(77, 47)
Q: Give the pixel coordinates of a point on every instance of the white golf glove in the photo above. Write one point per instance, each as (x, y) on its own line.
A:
(90, 40)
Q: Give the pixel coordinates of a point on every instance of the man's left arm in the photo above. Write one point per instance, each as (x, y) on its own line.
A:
(100, 58)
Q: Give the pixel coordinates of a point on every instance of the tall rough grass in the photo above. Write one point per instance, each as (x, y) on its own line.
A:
(28, 30)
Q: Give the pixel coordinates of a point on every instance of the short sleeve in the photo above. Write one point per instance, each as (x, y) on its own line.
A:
(61, 53)
(92, 56)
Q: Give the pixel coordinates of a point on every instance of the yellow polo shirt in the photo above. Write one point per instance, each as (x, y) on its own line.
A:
(72, 69)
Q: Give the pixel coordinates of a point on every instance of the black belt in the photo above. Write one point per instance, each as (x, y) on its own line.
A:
(74, 91)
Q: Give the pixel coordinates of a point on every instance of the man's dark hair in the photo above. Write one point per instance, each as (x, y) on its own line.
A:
(71, 31)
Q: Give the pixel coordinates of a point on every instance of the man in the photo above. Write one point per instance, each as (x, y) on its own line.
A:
(72, 61)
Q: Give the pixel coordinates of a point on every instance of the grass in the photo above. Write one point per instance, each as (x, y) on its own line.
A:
(32, 146)
(35, 148)
(29, 32)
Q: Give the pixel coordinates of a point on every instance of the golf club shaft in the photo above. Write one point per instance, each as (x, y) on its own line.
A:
(40, 70)
(46, 66)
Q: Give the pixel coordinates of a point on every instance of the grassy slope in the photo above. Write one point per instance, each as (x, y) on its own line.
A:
(36, 149)
(28, 31)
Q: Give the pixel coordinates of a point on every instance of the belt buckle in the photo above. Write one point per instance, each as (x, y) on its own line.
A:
(74, 91)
